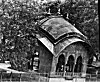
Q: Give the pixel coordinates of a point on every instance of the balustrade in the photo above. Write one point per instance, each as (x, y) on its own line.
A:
(44, 77)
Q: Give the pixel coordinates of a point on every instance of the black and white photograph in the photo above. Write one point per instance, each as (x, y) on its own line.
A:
(49, 41)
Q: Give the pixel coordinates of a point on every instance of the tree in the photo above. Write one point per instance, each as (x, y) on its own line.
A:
(18, 29)
(84, 14)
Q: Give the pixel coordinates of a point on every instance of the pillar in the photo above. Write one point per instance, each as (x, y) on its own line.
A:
(54, 64)
(84, 68)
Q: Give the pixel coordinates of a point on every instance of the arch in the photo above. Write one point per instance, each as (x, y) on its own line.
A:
(90, 60)
(78, 66)
(60, 64)
(89, 66)
(70, 64)
(72, 41)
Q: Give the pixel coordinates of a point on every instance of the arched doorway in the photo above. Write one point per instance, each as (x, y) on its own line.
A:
(78, 66)
(70, 64)
(60, 64)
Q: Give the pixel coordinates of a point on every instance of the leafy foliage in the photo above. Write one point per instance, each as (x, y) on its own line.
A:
(18, 31)
(84, 14)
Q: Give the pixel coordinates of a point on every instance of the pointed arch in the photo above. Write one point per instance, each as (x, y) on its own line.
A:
(70, 64)
(78, 66)
(60, 64)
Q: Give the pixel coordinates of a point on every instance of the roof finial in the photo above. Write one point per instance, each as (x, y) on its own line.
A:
(67, 16)
(49, 11)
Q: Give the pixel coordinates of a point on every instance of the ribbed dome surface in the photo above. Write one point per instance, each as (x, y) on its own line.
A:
(57, 27)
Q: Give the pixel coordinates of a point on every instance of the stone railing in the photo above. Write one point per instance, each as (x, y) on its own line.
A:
(23, 77)
(67, 74)
(44, 77)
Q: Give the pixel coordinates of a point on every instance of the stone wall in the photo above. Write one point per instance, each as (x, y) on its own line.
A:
(45, 59)
(76, 49)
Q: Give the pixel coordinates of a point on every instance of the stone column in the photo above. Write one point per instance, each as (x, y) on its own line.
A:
(84, 68)
(85, 61)
(74, 67)
(54, 64)
(66, 59)
(75, 64)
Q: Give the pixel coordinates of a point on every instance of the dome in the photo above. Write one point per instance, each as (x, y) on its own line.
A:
(57, 27)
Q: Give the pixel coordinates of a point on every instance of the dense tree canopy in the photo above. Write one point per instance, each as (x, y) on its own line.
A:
(19, 26)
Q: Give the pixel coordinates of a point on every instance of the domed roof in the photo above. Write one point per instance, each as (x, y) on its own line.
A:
(57, 27)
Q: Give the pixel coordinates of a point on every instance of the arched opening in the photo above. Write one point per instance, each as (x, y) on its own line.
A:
(90, 61)
(70, 64)
(60, 64)
(78, 66)
(90, 68)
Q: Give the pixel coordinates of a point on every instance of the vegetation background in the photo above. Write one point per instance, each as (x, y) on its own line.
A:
(19, 25)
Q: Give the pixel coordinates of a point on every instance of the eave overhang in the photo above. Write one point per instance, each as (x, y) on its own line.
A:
(56, 49)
